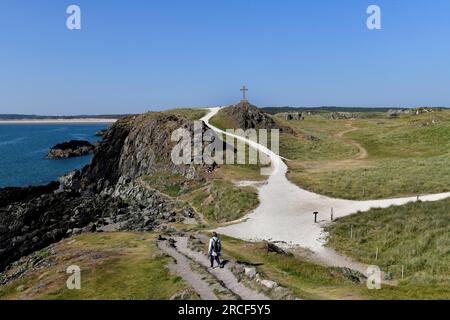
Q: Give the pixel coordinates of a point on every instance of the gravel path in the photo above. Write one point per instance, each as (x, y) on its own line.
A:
(285, 213)
(182, 254)
(224, 275)
(183, 269)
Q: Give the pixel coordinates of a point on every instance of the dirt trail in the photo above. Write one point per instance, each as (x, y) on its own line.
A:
(182, 254)
(285, 211)
(362, 151)
(332, 165)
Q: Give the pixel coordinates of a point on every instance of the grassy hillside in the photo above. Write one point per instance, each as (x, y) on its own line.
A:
(190, 113)
(416, 236)
(222, 201)
(223, 121)
(312, 281)
(113, 266)
(371, 158)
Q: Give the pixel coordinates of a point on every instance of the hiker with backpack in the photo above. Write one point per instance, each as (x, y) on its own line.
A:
(214, 250)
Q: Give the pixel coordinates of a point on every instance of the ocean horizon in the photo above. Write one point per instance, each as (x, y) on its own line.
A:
(23, 148)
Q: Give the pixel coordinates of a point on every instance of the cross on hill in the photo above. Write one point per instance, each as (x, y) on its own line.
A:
(244, 90)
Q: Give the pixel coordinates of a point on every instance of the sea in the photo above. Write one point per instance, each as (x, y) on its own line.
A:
(23, 148)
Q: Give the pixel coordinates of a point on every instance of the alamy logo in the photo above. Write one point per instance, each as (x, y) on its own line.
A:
(74, 20)
(74, 280)
(374, 20)
(237, 147)
(373, 278)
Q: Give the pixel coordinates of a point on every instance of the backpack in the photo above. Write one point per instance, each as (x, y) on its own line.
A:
(217, 246)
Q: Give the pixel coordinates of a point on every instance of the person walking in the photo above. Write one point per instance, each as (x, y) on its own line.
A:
(214, 249)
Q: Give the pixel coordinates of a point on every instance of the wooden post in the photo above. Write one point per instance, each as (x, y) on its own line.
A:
(351, 232)
(315, 216)
(403, 271)
(376, 254)
(332, 214)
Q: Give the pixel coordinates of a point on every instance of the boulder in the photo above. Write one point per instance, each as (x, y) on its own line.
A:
(73, 148)
(271, 247)
(250, 272)
(267, 283)
(188, 212)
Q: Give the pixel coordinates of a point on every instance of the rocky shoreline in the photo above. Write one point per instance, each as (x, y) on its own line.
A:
(107, 195)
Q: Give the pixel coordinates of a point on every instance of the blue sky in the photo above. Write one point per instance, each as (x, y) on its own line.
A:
(133, 56)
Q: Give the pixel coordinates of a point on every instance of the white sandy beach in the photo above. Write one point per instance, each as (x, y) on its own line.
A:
(56, 121)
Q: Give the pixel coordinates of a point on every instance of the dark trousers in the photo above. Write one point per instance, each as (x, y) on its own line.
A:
(212, 258)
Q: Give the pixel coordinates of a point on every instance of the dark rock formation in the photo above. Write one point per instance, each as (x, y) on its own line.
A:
(395, 113)
(34, 224)
(29, 226)
(249, 116)
(271, 247)
(294, 116)
(105, 195)
(188, 212)
(101, 133)
(353, 275)
(105, 163)
(344, 115)
(138, 146)
(11, 195)
(73, 148)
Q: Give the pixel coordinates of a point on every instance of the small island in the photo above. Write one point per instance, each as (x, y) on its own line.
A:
(73, 148)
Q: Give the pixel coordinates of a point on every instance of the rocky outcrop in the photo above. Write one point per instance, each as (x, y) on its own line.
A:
(105, 163)
(32, 225)
(138, 146)
(73, 148)
(11, 195)
(249, 116)
(141, 207)
(344, 115)
(394, 113)
(294, 116)
(188, 212)
(105, 195)
(101, 133)
(148, 147)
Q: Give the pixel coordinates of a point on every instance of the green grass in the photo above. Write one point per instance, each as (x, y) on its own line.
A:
(416, 235)
(239, 172)
(304, 279)
(325, 144)
(406, 156)
(326, 148)
(171, 184)
(308, 280)
(190, 113)
(404, 137)
(222, 201)
(223, 121)
(113, 266)
(379, 179)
